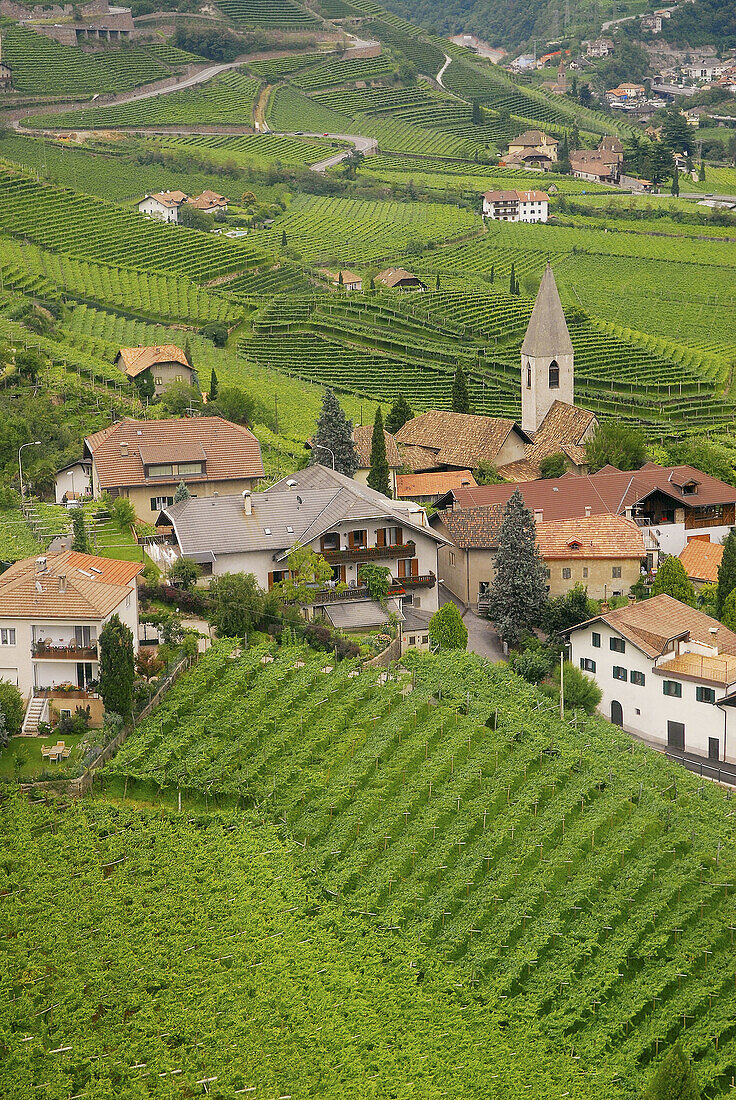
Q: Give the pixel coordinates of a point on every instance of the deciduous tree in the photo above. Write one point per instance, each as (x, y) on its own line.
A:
(616, 445)
(672, 580)
(238, 604)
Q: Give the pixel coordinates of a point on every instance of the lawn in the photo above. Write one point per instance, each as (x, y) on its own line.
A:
(21, 758)
(109, 541)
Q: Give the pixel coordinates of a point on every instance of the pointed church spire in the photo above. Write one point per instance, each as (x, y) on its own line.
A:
(547, 333)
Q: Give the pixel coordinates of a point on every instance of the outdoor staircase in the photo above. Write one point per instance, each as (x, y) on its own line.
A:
(36, 711)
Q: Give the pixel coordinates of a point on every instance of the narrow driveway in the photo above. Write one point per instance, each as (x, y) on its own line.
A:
(482, 638)
(441, 73)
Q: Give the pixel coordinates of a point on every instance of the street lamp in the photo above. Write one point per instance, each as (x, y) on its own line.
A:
(34, 443)
(321, 447)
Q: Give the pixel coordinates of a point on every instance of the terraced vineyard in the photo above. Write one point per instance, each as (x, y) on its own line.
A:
(68, 222)
(285, 15)
(226, 99)
(574, 877)
(255, 150)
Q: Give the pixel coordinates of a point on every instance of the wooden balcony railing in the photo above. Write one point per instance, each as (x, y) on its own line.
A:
(421, 580)
(69, 652)
(370, 553)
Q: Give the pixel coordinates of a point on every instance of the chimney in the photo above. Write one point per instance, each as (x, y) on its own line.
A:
(587, 511)
(291, 483)
(247, 502)
(40, 565)
(123, 449)
(605, 607)
(62, 583)
(538, 515)
(628, 512)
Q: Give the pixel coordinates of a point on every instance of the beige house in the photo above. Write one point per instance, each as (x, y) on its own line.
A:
(146, 460)
(533, 148)
(52, 611)
(164, 364)
(398, 278)
(602, 552)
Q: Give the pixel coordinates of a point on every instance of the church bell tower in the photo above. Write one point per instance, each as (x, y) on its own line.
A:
(546, 357)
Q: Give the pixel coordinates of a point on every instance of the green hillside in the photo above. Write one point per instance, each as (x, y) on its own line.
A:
(575, 880)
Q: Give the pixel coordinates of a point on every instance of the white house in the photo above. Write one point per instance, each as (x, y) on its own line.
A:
(52, 610)
(163, 205)
(667, 673)
(73, 481)
(516, 206)
(345, 521)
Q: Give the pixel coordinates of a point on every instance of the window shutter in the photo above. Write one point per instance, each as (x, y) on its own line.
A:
(270, 581)
(344, 574)
(351, 539)
(414, 567)
(399, 536)
(381, 536)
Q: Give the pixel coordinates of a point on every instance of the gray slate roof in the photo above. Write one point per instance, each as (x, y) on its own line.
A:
(358, 615)
(547, 332)
(316, 500)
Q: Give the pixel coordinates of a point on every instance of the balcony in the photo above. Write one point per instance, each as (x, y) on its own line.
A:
(421, 580)
(370, 553)
(64, 691)
(64, 652)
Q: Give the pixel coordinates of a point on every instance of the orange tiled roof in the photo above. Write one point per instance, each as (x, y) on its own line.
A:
(458, 439)
(701, 560)
(92, 589)
(432, 484)
(137, 360)
(231, 451)
(652, 623)
(602, 536)
(169, 199)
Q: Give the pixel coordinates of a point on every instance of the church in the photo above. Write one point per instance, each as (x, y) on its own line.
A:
(551, 422)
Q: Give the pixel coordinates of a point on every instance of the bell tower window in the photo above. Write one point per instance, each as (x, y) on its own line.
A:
(528, 376)
(554, 375)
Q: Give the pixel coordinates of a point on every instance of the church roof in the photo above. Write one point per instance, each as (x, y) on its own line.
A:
(547, 332)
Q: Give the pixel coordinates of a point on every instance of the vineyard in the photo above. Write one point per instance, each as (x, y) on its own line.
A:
(568, 874)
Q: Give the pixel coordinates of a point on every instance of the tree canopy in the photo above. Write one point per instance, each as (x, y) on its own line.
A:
(447, 629)
(117, 667)
(519, 591)
(616, 445)
(672, 580)
(334, 437)
(378, 475)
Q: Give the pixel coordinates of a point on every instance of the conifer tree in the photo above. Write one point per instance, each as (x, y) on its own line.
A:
(437, 283)
(284, 239)
(460, 397)
(701, 172)
(335, 433)
(400, 413)
(188, 354)
(340, 279)
(675, 189)
(518, 594)
(117, 667)
(674, 1078)
(214, 385)
(672, 580)
(182, 493)
(726, 572)
(513, 285)
(80, 541)
(378, 476)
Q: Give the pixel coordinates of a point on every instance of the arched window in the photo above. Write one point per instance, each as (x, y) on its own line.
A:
(554, 375)
(528, 376)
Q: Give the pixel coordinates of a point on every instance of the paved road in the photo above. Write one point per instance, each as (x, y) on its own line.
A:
(482, 638)
(442, 71)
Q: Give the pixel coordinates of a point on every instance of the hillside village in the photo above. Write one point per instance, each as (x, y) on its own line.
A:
(368, 550)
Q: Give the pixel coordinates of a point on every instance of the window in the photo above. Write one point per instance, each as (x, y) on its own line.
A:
(528, 377)
(554, 375)
(331, 540)
(7, 635)
(672, 688)
(566, 574)
(705, 695)
(161, 471)
(357, 538)
(425, 639)
(587, 665)
(585, 571)
(619, 673)
(65, 714)
(452, 557)
(618, 645)
(637, 678)
(616, 572)
(412, 640)
(189, 468)
(159, 380)
(596, 640)
(157, 503)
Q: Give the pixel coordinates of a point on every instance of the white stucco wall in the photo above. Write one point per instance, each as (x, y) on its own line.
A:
(157, 210)
(647, 710)
(73, 480)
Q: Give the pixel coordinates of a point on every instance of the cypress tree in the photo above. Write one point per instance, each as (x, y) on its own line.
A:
(437, 283)
(460, 397)
(117, 668)
(518, 594)
(340, 280)
(378, 476)
(674, 1078)
(334, 431)
(213, 385)
(513, 285)
(80, 542)
(401, 411)
(675, 189)
(188, 354)
(726, 572)
(284, 239)
(701, 172)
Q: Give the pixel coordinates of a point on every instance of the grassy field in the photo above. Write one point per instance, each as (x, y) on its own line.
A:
(21, 757)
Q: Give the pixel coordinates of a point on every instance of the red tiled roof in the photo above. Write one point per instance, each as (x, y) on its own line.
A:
(701, 559)
(232, 451)
(602, 536)
(72, 586)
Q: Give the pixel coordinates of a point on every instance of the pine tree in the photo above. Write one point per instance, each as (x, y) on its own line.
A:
(378, 476)
(213, 386)
(117, 667)
(476, 117)
(340, 279)
(400, 413)
(701, 172)
(181, 494)
(726, 572)
(518, 594)
(460, 397)
(672, 580)
(188, 354)
(334, 434)
(674, 1078)
(437, 283)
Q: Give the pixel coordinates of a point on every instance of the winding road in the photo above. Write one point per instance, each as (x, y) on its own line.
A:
(442, 72)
